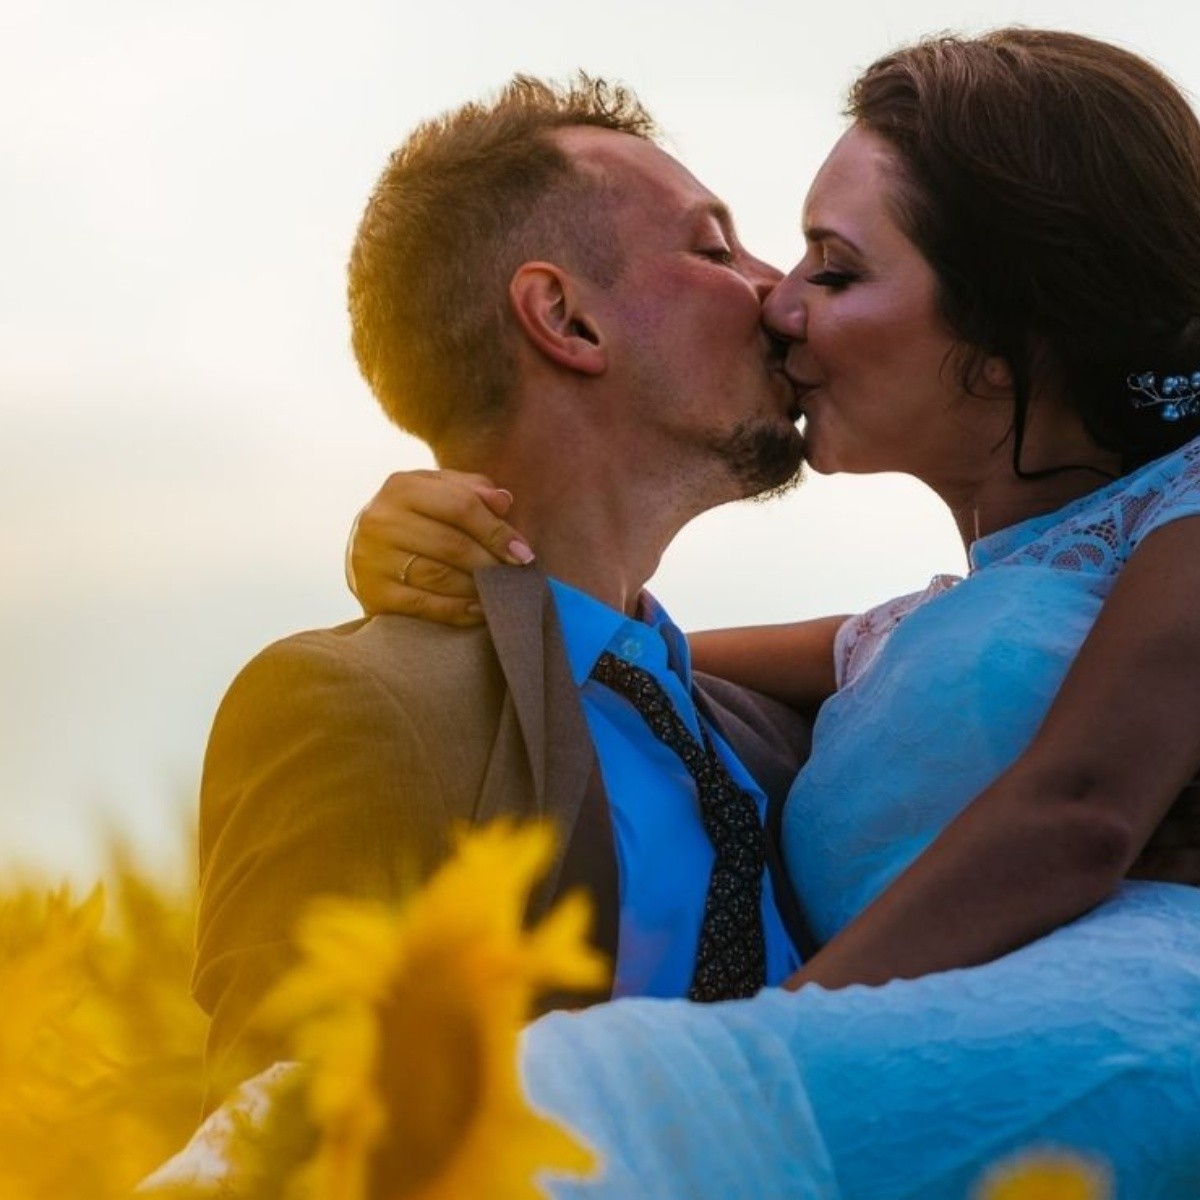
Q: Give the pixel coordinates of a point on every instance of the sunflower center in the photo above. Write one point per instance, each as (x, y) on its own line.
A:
(431, 1074)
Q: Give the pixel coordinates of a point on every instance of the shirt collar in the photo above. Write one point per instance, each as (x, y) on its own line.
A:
(590, 627)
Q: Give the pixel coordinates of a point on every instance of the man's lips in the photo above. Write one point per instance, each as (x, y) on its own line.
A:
(788, 386)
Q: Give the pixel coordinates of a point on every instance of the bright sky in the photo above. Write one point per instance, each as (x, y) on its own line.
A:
(184, 436)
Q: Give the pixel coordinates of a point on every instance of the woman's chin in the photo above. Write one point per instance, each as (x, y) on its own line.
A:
(821, 458)
(818, 459)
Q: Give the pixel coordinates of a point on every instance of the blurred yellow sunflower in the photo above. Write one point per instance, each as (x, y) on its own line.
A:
(100, 1044)
(1047, 1175)
(44, 941)
(50, 1062)
(409, 1020)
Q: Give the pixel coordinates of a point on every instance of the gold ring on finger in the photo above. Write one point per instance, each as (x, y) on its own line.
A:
(412, 558)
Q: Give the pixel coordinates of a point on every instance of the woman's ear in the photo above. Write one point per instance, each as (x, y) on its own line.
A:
(547, 306)
(997, 374)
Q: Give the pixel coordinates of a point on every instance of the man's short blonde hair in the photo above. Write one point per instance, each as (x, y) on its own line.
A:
(467, 198)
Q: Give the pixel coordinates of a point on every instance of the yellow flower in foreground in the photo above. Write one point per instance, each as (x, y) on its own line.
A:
(100, 1044)
(44, 942)
(1047, 1175)
(49, 1062)
(409, 1021)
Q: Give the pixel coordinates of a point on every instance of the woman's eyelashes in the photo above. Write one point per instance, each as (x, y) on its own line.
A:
(719, 254)
(833, 279)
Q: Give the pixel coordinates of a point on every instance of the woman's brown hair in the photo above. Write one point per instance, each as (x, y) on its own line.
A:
(1052, 182)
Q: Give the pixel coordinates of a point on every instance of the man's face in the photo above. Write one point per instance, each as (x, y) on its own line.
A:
(688, 350)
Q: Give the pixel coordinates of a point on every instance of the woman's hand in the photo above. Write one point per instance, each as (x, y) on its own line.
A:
(414, 546)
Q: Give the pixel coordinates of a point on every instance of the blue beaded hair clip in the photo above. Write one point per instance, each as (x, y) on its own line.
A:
(1178, 399)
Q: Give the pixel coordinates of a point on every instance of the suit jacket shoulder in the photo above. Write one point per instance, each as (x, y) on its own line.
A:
(341, 759)
(339, 762)
(377, 702)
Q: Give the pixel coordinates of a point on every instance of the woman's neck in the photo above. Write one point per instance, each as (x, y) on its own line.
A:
(1008, 499)
(1058, 462)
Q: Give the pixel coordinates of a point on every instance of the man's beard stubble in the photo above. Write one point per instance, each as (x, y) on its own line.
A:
(766, 460)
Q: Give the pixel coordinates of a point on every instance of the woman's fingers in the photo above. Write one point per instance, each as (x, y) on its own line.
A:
(392, 578)
(391, 596)
(423, 535)
(469, 504)
(428, 574)
(386, 547)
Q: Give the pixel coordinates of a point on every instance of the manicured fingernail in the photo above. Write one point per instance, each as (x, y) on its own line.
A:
(475, 610)
(507, 494)
(519, 553)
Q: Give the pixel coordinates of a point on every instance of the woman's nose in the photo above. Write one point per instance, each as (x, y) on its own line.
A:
(784, 312)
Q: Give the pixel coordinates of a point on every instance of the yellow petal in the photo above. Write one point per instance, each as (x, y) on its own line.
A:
(417, 1027)
(1048, 1174)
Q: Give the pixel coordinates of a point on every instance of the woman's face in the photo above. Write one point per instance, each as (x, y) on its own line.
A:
(875, 365)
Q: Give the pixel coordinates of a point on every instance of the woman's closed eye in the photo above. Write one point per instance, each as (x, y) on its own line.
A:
(720, 254)
(834, 280)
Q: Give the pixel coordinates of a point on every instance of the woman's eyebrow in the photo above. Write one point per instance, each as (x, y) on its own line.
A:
(821, 233)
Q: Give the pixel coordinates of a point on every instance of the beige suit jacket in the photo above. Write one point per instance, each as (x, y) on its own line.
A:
(341, 759)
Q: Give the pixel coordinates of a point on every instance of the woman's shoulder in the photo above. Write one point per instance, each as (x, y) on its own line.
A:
(1097, 533)
(1172, 480)
(1160, 491)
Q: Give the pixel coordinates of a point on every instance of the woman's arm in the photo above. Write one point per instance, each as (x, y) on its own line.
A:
(413, 547)
(793, 663)
(1056, 833)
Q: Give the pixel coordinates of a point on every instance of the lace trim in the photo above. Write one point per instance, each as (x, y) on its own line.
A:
(1098, 532)
(1093, 537)
(860, 638)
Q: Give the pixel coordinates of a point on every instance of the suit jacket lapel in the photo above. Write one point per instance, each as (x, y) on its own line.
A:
(514, 606)
(568, 790)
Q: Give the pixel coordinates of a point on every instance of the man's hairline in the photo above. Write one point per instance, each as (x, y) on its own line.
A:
(579, 171)
(591, 176)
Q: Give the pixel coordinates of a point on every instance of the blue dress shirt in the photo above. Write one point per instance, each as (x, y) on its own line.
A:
(664, 857)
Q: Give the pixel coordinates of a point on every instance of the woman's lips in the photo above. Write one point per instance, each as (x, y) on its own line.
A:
(802, 389)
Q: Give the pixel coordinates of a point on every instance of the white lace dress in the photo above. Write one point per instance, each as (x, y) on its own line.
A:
(1089, 1038)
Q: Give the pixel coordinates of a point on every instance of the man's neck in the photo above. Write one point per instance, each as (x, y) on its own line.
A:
(597, 521)
(590, 549)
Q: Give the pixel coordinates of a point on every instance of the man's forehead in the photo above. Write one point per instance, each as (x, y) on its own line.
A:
(629, 163)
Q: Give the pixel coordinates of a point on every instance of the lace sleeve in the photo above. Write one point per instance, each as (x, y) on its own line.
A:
(859, 639)
(1174, 495)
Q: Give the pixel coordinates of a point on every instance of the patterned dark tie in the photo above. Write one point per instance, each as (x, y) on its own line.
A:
(732, 960)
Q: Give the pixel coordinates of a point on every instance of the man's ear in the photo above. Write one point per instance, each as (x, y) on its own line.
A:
(546, 303)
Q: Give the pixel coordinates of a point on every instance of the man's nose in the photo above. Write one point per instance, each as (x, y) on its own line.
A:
(784, 312)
